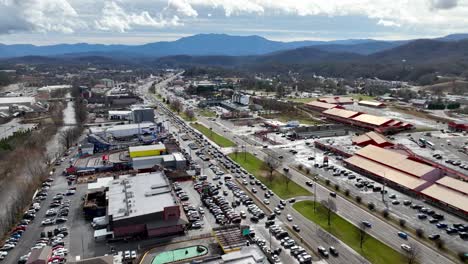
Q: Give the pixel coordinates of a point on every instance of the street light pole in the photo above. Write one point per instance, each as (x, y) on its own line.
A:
(315, 193)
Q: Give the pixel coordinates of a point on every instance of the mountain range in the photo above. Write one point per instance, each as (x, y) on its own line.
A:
(206, 44)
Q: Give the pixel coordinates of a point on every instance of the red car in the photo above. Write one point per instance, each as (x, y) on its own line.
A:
(23, 228)
(56, 258)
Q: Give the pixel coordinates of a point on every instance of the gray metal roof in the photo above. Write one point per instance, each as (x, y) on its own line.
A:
(131, 196)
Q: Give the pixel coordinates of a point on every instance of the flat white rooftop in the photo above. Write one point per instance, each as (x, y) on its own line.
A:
(145, 193)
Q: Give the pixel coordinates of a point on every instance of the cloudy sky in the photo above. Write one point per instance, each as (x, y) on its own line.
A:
(141, 21)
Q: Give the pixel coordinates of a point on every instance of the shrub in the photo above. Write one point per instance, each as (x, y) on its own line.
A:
(420, 232)
(307, 171)
(385, 213)
(327, 182)
(371, 206)
(337, 187)
(462, 256)
(300, 166)
(440, 244)
(358, 199)
(402, 222)
(346, 192)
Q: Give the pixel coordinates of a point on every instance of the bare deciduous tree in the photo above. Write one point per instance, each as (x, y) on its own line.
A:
(190, 114)
(177, 105)
(288, 179)
(235, 151)
(68, 137)
(413, 254)
(270, 165)
(330, 206)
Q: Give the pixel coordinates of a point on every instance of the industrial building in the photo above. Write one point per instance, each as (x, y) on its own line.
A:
(336, 100)
(319, 131)
(20, 100)
(375, 104)
(411, 175)
(143, 205)
(366, 121)
(320, 106)
(137, 114)
(124, 131)
(240, 98)
(174, 161)
(147, 150)
(372, 138)
(119, 114)
(140, 115)
(450, 192)
(393, 168)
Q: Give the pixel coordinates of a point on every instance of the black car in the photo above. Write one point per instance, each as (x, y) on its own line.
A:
(333, 251)
(309, 183)
(61, 220)
(434, 236)
(296, 228)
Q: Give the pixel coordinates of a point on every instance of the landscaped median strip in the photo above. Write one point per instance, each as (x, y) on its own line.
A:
(278, 184)
(216, 138)
(373, 249)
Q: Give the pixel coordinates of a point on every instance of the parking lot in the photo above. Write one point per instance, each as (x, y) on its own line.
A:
(46, 222)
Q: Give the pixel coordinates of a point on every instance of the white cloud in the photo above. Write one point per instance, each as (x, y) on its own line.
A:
(182, 7)
(387, 23)
(38, 15)
(115, 18)
(68, 16)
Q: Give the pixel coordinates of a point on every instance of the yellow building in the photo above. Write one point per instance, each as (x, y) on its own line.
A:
(147, 150)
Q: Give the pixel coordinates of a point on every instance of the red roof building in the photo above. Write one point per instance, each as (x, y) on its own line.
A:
(336, 100)
(372, 138)
(321, 106)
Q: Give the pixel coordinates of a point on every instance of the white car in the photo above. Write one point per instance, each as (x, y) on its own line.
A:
(289, 217)
(127, 254)
(133, 254)
(61, 251)
(51, 212)
(7, 247)
(48, 221)
(3, 255)
(406, 248)
(266, 201)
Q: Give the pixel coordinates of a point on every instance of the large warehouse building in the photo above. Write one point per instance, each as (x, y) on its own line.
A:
(402, 172)
(372, 138)
(450, 192)
(393, 167)
(366, 121)
(143, 205)
(321, 106)
(336, 100)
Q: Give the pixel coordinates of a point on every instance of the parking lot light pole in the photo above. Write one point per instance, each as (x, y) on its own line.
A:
(269, 231)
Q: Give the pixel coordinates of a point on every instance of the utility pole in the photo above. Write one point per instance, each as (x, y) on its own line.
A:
(315, 193)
